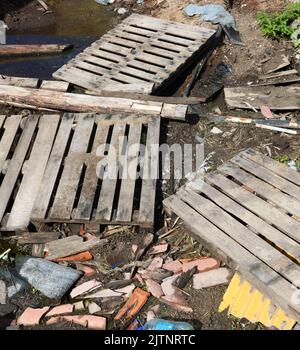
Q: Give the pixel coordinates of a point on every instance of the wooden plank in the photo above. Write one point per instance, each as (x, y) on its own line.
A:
(37, 237)
(16, 163)
(275, 97)
(241, 234)
(267, 175)
(19, 81)
(278, 168)
(107, 194)
(80, 102)
(32, 50)
(70, 246)
(11, 126)
(279, 74)
(52, 169)
(258, 206)
(32, 176)
(55, 85)
(262, 188)
(259, 274)
(150, 174)
(84, 208)
(73, 165)
(126, 197)
(253, 221)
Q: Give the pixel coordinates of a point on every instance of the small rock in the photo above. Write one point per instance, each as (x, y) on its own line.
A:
(212, 278)
(60, 310)
(90, 322)
(126, 290)
(104, 293)
(203, 264)
(93, 308)
(167, 285)
(216, 130)
(85, 287)
(150, 315)
(122, 11)
(158, 249)
(156, 263)
(31, 317)
(79, 306)
(7, 309)
(3, 292)
(174, 266)
(154, 288)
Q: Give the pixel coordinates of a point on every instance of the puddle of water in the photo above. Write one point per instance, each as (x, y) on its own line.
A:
(76, 22)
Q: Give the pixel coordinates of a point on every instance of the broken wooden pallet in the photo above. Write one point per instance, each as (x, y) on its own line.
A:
(25, 146)
(248, 213)
(275, 97)
(140, 50)
(73, 191)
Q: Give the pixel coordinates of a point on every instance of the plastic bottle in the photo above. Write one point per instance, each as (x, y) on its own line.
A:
(158, 324)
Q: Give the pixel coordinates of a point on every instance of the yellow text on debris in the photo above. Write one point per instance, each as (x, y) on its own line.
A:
(243, 300)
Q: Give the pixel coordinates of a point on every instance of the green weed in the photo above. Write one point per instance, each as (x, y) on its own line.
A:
(279, 24)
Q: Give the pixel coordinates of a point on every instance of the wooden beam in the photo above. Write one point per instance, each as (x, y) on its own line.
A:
(32, 50)
(88, 104)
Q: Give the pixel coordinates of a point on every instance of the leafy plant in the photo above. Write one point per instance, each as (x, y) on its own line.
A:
(282, 159)
(279, 24)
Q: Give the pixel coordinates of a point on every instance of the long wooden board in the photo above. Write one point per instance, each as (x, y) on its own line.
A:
(275, 97)
(250, 223)
(71, 102)
(140, 50)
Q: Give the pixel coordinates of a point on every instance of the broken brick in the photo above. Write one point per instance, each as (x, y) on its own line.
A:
(88, 321)
(31, 317)
(60, 310)
(154, 288)
(203, 264)
(212, 278)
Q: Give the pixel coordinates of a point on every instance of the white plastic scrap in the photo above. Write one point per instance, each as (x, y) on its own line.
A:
(215, 14)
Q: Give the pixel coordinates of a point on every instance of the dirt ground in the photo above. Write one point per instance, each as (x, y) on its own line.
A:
(229, 65)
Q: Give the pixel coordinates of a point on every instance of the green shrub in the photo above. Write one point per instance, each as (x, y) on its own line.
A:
(279, 24)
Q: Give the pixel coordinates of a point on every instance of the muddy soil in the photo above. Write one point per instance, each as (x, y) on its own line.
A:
(229, 65)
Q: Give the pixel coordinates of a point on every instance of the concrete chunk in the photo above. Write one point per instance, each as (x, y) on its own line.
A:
(49, 278)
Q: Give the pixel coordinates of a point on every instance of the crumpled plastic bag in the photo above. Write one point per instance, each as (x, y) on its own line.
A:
(215, 14)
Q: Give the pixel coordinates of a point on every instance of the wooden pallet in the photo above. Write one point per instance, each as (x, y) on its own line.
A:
(72, 192)
(247, 212)
(140, 50)
(25, 146)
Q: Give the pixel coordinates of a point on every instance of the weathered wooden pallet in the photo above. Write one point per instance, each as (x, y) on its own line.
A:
(247, 212)
(140, 50)
(25, 146)
(71, 191)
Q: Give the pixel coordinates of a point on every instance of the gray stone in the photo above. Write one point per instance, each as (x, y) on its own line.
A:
(49, 278)
(14, 282)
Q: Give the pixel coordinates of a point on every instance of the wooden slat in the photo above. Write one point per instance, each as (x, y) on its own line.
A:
(241, 234)
(107, 194)
(126, 197)
(16, 163)
(258, 273)
(253, 221)
(276, 167)
(262, 188)
(267, 175)
(150, 170)
(19, 81)
(52, 169)
(54, 85)
(263, 209)
(11, 126)
(89, 186)
(21, 211)
(66, 192)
